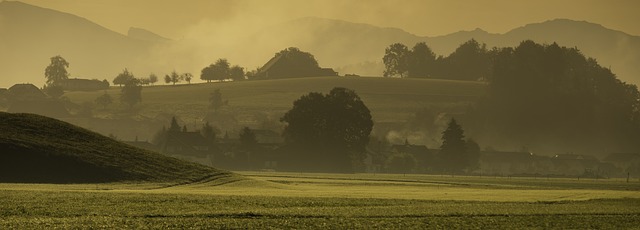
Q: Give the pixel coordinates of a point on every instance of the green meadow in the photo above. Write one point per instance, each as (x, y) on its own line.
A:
(389, 99)
(333, 201)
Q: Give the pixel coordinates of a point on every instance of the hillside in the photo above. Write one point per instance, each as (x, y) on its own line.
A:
(44, 150)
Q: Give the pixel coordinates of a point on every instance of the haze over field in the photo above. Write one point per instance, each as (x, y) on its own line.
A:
(348, 36)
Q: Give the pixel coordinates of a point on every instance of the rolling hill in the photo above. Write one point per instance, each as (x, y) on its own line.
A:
(37, 149)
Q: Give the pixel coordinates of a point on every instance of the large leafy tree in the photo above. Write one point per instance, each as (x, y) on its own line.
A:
(131, 93)
(327, 132)
(56, 70)
(216, 71)
(236, 73)
(421, 61)
(395, 60)
(123, 78)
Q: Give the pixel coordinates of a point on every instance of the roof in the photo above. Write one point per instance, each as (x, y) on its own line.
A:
(267, 66)
(573, 157)
(26, 92)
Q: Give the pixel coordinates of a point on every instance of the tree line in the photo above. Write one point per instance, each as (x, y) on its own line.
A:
(539, 94)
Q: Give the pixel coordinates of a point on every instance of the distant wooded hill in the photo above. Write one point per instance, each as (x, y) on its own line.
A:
(30, 35)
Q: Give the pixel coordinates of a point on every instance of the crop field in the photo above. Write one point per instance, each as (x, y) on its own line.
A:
(351, 201)
(388, 98)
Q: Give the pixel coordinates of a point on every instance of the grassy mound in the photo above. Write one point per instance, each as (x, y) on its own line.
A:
(37, 149)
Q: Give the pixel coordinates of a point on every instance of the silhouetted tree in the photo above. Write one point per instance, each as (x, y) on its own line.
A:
(472, 155)
(104, 100)
(173, 77)
(153, 78)
(470, 61)
(208, 132)
(248, 141)
(123, 78)
(131, 93)
(217, 71)
(174, 127)
(329, 131)
(215, 100)
(184, 128)
(187, 77)
(237, 73)
(395, 60)
(56, 71)
(452, 153)
(421, 61)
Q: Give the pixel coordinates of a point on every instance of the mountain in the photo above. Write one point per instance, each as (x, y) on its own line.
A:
(31, 35)
(145, 35)
(37, 149)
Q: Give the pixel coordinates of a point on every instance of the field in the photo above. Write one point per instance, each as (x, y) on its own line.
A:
(351, 201)
(388, 98)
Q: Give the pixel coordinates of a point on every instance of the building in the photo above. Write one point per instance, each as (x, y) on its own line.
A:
(191, 146)
(27, 98)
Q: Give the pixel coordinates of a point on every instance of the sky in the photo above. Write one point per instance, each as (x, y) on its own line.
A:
(173, 18)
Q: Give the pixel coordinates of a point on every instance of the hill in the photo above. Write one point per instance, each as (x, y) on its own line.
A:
(37, 149)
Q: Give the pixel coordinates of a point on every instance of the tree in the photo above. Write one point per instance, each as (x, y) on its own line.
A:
(421, 61)
(208, 132)
(174, 127)
(215, 100)
(153, 78)
(123, 78)
(131, 93)
(470, 61)
(453, 150)
(217, 71)
(396, 60)
(248, 140)
(236, 73)
(174, 78)
(56, 71)
(104, 100)
(187, 77)
(329, 132)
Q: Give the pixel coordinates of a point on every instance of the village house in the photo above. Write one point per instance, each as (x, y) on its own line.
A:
(425, 157)
(27, 98)
(505, 163)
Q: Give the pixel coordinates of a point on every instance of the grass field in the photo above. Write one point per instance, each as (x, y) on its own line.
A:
(388, 98)
(301, 200)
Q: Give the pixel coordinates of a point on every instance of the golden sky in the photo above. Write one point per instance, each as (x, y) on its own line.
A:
(172, 18)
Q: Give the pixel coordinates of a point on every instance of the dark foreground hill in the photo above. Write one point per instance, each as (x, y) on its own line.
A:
(37, 149)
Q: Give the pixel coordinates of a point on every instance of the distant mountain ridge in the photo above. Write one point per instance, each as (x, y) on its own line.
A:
(329, 41)
(30, 35)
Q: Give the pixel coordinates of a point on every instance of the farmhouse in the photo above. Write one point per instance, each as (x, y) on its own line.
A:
(27, 98)
(625, 162)
(424, 156)
(277, 67)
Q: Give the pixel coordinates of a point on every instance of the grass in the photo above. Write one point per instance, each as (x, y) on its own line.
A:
(353, 201)
(40, 149)
(389, 99)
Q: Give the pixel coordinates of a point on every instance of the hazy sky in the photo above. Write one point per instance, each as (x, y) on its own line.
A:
(171, 18)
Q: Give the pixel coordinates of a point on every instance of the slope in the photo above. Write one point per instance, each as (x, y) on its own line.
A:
(37, 149)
